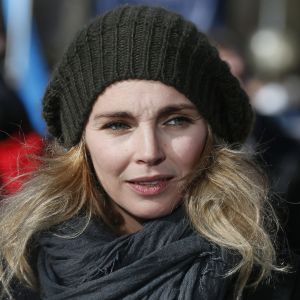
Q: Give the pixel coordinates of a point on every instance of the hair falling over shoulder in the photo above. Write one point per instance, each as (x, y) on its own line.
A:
(226, 200)
(62, 187)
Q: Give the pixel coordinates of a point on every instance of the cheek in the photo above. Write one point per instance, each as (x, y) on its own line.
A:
(187, 151)
(107, 160)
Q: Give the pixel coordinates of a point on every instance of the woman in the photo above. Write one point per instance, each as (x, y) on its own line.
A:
(144, 192)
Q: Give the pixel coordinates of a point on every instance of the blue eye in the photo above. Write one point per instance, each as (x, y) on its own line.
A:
(116, 126)
(178, 121)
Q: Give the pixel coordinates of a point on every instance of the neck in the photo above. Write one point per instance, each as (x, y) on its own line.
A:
(130, 224)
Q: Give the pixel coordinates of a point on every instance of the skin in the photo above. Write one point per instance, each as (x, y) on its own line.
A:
(143, 138)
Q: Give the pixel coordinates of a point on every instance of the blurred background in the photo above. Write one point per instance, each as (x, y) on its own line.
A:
(258, 38)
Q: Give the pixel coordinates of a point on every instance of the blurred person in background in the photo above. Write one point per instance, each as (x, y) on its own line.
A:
(268, 34)
(17, 138)
(18, 142)
(276, 133)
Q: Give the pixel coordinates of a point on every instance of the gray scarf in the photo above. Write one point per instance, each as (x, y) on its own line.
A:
(165, 260)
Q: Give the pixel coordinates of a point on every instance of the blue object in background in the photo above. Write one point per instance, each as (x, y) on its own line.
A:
(200, 12)
(25, 65)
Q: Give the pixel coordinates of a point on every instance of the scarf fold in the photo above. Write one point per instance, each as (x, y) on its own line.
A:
(164, 260)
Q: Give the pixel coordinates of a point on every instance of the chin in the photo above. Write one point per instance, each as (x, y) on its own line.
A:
(155, 212)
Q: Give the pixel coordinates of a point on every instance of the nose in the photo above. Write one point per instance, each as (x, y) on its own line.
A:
(149, 147)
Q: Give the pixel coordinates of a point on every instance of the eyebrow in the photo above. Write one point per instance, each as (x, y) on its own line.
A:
(161, 113)
(176, 108)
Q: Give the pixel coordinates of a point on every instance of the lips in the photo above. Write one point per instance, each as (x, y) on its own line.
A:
(150, 185)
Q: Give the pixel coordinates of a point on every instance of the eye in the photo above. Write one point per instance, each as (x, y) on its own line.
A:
(116, 126)
(178, 121)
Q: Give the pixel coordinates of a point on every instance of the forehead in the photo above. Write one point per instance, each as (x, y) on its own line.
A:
(138, 96)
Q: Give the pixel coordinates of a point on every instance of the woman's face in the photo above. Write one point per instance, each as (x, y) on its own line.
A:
(143, 137)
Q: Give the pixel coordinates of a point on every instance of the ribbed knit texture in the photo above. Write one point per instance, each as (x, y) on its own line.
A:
(150, 43)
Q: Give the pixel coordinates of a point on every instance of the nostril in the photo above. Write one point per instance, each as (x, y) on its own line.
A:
(157, 161)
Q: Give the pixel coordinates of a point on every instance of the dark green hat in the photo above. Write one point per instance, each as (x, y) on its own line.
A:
(150, 43)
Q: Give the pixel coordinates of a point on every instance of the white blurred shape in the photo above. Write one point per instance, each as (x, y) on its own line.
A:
(271, 99)
(273, 51)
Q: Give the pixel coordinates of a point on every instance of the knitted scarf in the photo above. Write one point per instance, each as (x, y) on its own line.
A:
(164, 260)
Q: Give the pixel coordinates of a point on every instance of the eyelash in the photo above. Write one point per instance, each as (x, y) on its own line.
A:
(181, 119)
(121, 125)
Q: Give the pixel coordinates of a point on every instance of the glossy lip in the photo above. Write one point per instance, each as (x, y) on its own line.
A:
(139, 186)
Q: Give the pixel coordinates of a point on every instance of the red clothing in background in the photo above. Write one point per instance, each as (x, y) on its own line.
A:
(17, 157)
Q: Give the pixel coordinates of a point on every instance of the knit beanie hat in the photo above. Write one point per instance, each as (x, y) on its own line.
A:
(148, 43)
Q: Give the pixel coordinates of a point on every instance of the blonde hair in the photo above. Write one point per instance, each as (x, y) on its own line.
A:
(225, 199)
(227, 202)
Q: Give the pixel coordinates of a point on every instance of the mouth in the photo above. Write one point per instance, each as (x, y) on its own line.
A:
(150, 185)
